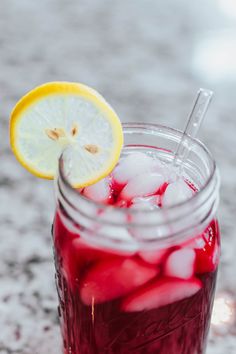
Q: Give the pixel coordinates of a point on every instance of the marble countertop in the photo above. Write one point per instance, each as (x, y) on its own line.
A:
(147, 58)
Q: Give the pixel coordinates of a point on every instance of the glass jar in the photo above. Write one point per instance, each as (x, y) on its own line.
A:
(148, 293)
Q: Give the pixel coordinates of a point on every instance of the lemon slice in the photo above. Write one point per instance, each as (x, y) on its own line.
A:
(56, 115)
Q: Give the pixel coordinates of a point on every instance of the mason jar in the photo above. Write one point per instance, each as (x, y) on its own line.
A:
(139, 281)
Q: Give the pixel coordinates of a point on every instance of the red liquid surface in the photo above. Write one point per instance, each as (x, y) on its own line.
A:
(112, 303)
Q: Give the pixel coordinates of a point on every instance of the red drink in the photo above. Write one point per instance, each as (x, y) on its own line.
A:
(122, 300)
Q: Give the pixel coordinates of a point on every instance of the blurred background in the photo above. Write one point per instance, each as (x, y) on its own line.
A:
(148, 58)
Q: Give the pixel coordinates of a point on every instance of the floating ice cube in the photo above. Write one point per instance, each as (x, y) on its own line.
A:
(180, 264)
(142, 185)
(114, 215)
(134, 164)
(121, 234)
(176, 192)
(145, 203)
(141, 205)
(149, 233)
(154, 227)
(159, 293)
(112, 278)
(153, 257)
(115, 232)
(99, 192)
(197, 242)
(162, 168)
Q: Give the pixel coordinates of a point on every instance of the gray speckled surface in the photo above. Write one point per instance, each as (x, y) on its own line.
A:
(147, 58)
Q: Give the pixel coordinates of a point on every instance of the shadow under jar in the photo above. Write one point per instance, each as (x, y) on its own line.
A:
(115, 294)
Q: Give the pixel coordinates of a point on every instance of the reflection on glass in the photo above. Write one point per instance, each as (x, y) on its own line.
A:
(214, 56)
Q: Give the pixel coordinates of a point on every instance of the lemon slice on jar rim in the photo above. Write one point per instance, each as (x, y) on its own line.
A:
(56, 115)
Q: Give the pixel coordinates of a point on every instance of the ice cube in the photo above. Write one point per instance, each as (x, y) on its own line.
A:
(115, 232)
(162, 168)
(141, 205)
(145, 203)
(113, 278)
(142, 185)
(114, 215)
(120, 234)
(208, 257)
(197, 242)
(176, 192)
(98, 192)
(134, 164)
(162, 292)
(180, 264)
(149, 233)
(153, 257)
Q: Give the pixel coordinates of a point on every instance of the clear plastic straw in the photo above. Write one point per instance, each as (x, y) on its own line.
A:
(194, 122)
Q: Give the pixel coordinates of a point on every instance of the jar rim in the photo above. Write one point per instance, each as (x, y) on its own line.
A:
(147, 126)
(173, 222)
